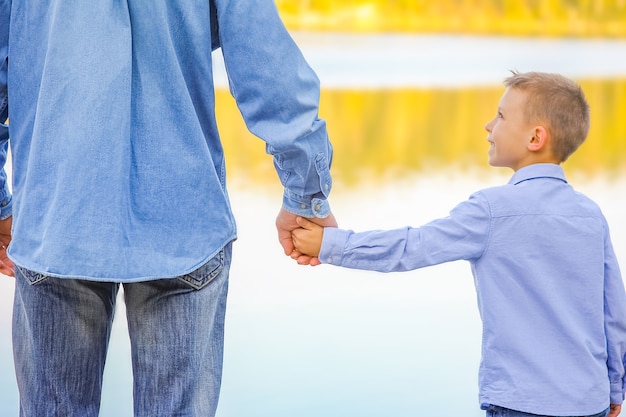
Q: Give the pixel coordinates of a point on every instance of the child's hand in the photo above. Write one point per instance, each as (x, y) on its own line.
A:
(308, 239)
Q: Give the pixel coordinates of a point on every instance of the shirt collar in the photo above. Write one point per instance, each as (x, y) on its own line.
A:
(534, 171)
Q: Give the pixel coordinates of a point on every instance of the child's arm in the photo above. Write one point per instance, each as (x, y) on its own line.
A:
(308, 239)
(461, 235)
(614, 324)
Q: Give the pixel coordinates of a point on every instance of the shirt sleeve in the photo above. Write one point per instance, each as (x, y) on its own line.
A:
(4, 48)
(614, 322)
(278, 95)
(462, 235)
(5, 194)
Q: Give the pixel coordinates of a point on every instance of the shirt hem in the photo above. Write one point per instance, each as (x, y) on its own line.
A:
(145, 278)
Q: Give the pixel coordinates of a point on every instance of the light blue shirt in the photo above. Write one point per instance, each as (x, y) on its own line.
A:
(118, 169)
(550, 293)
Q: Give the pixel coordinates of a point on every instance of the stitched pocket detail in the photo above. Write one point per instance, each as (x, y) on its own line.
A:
(202, 276)
(32, 277)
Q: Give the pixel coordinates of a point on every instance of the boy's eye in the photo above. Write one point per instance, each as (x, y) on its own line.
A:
(500, 115)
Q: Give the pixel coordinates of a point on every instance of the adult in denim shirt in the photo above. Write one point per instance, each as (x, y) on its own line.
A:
(119, 177)
(550, 292)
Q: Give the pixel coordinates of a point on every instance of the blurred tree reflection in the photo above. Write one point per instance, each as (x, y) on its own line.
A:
(410, 129)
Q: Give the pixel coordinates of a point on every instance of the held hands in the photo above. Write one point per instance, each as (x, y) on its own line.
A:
(308, 238)
(287, 223)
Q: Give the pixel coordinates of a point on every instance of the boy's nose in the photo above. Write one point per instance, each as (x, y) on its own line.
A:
(488, 126)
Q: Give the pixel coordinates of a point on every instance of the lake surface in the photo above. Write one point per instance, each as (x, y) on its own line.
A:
(328, 342)
(332, 342)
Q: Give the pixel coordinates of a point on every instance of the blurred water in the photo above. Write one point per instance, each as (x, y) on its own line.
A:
(332, 342)
(329, 342)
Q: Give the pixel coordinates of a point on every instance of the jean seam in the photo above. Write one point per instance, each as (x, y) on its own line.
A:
(33, 278)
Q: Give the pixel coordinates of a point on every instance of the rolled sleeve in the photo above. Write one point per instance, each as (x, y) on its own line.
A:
(307, 196)
(306, 206)
(278, 94)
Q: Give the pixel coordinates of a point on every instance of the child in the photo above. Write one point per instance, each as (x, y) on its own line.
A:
(550, 292)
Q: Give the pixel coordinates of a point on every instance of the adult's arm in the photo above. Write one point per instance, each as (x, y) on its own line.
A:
(278, 95)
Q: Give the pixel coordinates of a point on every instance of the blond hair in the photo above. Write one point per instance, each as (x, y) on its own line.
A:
(559, 104)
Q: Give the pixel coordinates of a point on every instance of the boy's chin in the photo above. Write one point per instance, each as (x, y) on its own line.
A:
(495, 164)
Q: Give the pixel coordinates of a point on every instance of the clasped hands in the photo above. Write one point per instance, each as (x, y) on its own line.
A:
(301, 238)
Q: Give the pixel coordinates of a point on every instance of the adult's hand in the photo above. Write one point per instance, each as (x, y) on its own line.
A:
(615, 410)
(6, 265)
(286, 223)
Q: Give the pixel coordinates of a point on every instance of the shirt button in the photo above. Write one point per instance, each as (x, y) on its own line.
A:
(326, 186)
(329, 260)
(302, 206)
(318, 207)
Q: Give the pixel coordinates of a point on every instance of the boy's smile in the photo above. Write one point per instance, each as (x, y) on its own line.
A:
(509, 132)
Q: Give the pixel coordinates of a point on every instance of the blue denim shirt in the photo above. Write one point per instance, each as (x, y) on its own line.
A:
(550, 292)
(118, 167)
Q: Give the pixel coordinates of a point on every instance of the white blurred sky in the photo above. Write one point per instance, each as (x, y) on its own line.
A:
(401, 60)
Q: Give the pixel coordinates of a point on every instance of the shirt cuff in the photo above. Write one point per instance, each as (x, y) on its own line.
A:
(306, 206)
(333, 245)
(617, 393)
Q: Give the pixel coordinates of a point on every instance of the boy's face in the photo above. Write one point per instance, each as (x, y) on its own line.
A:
(509, 133)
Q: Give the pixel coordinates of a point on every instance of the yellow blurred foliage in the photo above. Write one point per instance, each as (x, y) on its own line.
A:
(597, 18)
(378, 132)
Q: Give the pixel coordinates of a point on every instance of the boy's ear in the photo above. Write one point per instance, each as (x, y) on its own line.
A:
(539, 140)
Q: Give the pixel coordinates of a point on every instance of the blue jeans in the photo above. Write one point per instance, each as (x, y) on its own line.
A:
(495, 411)
(61, 330)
